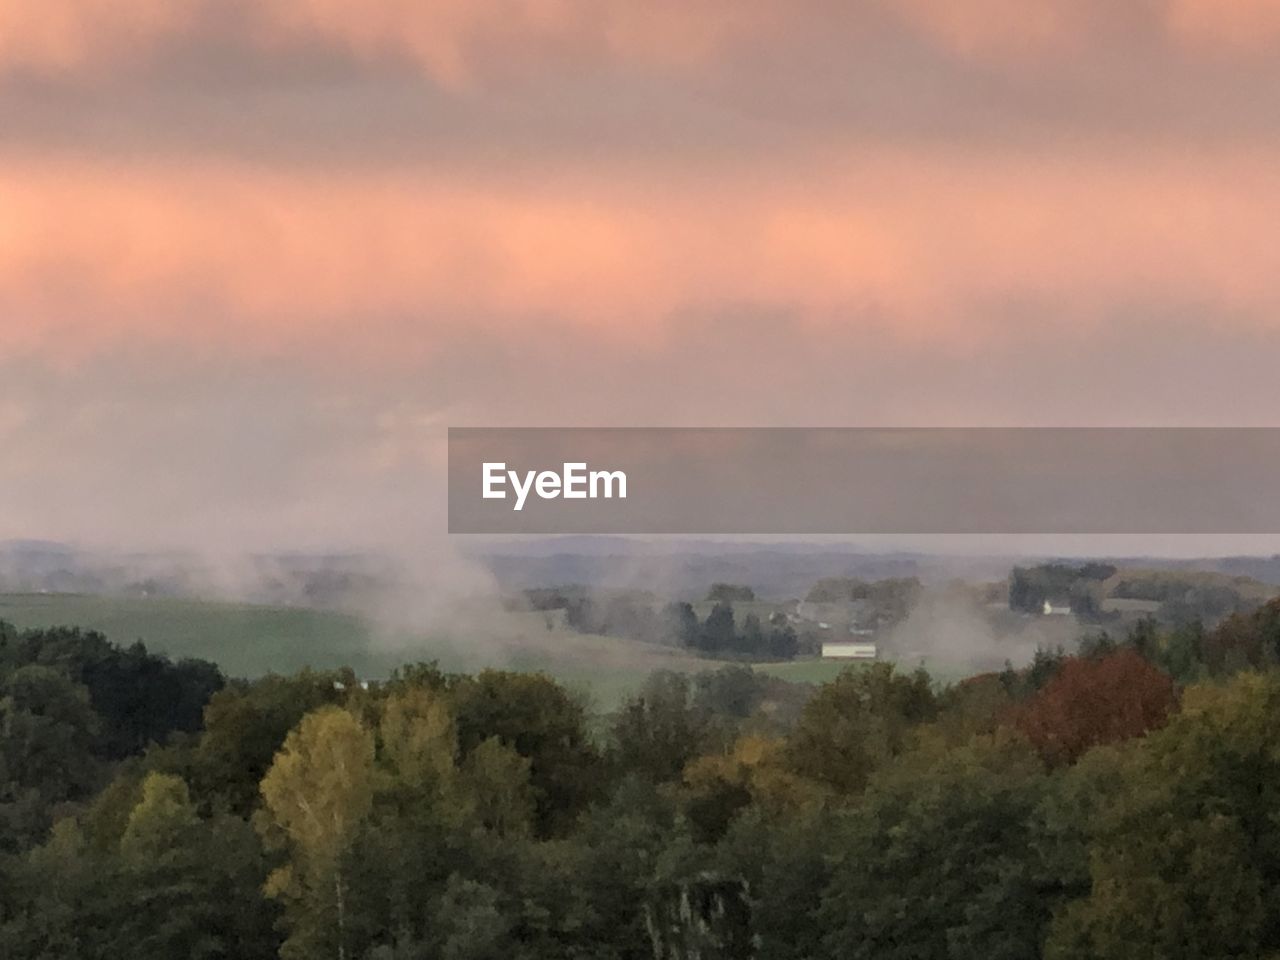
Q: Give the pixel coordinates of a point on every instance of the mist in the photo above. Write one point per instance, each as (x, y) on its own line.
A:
(949, 628)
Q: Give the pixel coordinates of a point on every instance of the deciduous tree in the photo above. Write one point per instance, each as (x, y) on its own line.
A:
(1095, 701)
(317, 795)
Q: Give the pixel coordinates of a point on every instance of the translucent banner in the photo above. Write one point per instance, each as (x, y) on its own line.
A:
(864, 480)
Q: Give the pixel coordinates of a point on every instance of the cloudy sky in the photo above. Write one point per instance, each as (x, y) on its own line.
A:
(256, 255)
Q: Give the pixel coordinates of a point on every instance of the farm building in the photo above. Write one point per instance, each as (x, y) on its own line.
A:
(848, 651)
(1056, 609)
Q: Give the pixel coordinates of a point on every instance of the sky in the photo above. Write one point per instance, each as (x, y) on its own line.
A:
(255, 257)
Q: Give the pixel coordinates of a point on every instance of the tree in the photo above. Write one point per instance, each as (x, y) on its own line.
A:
(501, 796)
(159, 822)
(733, 692)
(939, 859)
(783, 644)
(1182, 656)
(857, 722)
(659, 730)
(194, 885)
(614, 860)
(474, 924)
(718, 787)
(140, 697)
(167, 885)
(975, 705)
(419, 744)
(787, 864)
(1245, 640)
(753, 642)
(681, 623)
(717, 631)
(421, 811)
(245, 724)
(48, 732)
(58, 902)
(1184, 858)
(1030, 587)
(317, 794)
(537, 718)
(1095, 701)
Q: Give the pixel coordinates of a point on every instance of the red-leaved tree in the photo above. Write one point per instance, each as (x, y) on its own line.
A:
(1091, 701)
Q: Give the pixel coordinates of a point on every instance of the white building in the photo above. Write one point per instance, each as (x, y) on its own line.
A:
(1056, 609)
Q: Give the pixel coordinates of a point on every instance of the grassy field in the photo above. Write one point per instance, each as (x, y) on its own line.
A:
(249, 641)
(824, 671)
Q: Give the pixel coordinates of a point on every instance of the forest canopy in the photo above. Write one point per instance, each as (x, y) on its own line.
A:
(1114, 802)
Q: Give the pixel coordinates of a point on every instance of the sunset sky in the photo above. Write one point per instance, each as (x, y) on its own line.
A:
(256, 255)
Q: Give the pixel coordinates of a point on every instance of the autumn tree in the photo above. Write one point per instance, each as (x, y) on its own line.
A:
(244, 725)
(418, 743)
(501, 794)
(1184, 855)
(194, 884)
(1094, 701)
(317, 794)
(1245, 640)
(719, 786)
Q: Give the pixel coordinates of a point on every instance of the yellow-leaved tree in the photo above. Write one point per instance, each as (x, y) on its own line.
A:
(317, 793)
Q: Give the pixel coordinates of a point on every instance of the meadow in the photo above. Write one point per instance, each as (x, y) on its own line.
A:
(249, 640)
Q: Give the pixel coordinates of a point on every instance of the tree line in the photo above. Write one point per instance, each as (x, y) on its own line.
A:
(639, 616)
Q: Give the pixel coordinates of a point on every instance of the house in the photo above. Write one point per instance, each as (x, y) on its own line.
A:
(1056, 609)
(848, 651)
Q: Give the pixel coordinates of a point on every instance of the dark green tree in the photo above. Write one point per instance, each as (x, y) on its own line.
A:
(537, 718)
(856, 723)
(939, 859)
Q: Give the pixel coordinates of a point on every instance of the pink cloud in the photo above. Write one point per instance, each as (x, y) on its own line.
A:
(1250, 25)
(72, 35)
(458, 42)
(929, 246)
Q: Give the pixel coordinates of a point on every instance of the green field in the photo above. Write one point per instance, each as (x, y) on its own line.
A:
(249, 641)
(806, 671)
(824, 671)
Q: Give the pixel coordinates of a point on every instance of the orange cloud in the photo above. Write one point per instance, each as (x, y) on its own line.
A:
(458, 42)
(1226, 24)
(1002, 28)
(394, 261)
(67, 35)
(1020, 30)
(451, 40)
